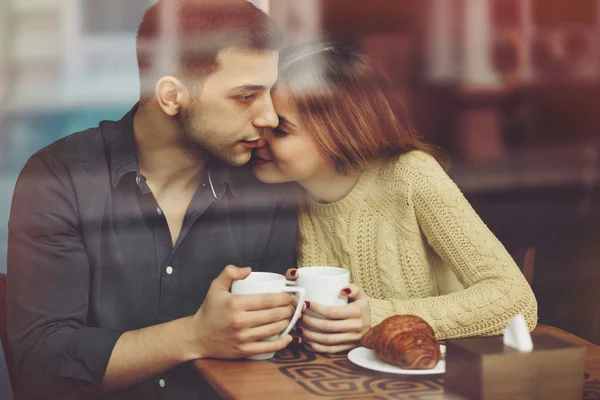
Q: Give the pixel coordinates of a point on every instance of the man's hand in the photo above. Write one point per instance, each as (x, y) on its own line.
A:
(232, 326)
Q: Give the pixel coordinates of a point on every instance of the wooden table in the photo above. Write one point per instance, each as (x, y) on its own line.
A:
(295, 373)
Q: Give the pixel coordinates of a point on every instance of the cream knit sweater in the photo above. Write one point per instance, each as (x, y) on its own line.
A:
(414, 245)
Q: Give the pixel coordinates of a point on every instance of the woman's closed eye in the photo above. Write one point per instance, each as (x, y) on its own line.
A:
(279, 131)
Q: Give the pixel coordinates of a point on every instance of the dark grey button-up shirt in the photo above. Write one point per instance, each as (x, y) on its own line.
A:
(90, 256)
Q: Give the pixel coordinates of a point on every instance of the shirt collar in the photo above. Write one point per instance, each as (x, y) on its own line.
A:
(124, 158)
(219, 179)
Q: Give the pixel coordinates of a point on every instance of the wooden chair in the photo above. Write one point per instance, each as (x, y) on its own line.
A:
(525, 259)
(3, 329)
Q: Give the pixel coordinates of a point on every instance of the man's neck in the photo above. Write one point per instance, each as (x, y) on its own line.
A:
(162, 161)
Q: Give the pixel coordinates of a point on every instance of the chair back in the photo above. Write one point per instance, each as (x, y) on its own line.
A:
(525, 259)
(3, 330)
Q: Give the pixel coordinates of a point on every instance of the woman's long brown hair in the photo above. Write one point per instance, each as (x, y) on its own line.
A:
(356, 114)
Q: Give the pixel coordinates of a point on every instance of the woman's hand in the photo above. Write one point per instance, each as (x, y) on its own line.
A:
(343, 327)
(291, 274)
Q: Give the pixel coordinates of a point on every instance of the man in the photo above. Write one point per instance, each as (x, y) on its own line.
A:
(117, 232)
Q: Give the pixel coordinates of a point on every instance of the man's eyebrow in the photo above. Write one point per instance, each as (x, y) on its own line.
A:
(283, 120)
(248, 88)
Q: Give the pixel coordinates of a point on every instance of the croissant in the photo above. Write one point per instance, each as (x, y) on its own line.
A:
(406, 341)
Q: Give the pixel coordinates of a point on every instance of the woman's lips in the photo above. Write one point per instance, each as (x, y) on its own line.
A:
(257, 160)
(260, 162)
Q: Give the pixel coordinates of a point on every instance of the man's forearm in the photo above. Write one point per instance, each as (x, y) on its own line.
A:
(144, 353)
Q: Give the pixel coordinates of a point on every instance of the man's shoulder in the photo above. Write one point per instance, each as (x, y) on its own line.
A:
(88, 147)
(80, 146)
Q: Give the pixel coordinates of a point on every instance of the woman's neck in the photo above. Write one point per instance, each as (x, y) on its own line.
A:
(329, 186)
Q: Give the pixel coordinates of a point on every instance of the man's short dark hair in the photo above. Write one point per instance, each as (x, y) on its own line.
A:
(196, 31)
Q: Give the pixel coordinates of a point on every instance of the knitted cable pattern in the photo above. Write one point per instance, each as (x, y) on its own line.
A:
(415, 245)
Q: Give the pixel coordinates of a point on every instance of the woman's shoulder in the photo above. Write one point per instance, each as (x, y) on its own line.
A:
(413, 165)
(415, 172)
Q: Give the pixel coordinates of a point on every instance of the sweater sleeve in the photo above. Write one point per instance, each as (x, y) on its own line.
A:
(494, 291)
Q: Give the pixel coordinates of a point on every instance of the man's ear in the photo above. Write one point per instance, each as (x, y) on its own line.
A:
(171, 95)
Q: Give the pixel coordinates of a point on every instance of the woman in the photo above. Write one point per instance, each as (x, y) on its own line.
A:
(381, 206)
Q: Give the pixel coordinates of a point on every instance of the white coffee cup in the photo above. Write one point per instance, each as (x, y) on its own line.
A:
(323, 285)
(268, 282)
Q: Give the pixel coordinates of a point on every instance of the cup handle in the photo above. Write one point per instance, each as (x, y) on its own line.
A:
(301, 294)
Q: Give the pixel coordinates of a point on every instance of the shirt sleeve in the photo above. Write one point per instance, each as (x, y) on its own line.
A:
(495, 290)
(280, 250)
(56, 354)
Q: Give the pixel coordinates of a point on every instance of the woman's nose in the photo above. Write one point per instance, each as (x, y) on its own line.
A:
(262, 142)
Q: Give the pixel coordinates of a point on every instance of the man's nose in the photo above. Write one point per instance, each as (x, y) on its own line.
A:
(266, 117)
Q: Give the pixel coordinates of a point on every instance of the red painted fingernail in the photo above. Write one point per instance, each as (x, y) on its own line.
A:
(307, 304)
(347, 291)
(293, 272)
(299, 331)
(307, 342)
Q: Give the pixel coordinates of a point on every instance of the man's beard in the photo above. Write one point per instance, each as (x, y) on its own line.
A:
(190, 147)
(195, 139)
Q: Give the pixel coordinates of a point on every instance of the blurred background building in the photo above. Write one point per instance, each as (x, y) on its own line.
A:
(510, 89)
(64, 66)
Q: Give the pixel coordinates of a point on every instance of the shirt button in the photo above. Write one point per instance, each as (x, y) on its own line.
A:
(161, 383)
(158, 211)
(169, 270)
(204, 184)
(137, 180)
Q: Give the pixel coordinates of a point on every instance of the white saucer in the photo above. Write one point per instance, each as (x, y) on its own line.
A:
(366, 358)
